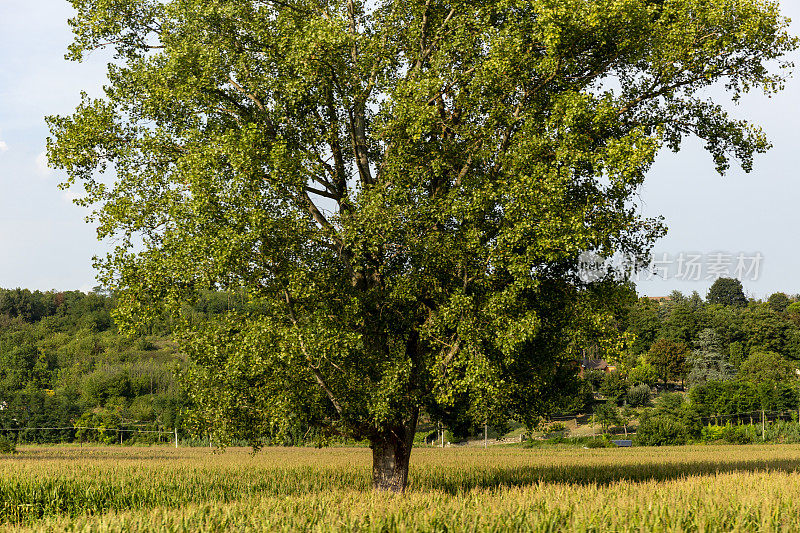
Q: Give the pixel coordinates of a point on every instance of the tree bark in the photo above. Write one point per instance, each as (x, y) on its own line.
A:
(391, 451)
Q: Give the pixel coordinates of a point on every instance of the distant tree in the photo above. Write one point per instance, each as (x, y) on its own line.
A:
(683, 319)
(676, 296)
(794, 312)
(763, 367)
(30, 306)
(643, 373)
(614, 387)
(778, 302)
(727, 291)
(644, 321)
(668, 358)
(671, 422)
(594, 378)
(608, 415)
(708, 362)
(742, 398)
(767, 330)
(579, 402)
(727, 322)
(736, 354)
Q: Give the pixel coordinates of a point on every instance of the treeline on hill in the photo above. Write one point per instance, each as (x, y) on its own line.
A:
(736, 359)
(64, 364)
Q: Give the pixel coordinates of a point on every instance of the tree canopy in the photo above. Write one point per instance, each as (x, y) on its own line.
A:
(779, 301)
(401, 190)
(669, 359)
(727, 291)
(765, 367)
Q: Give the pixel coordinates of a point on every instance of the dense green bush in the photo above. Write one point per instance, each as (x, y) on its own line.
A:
(639, 395)
(643, 373)
(733, 434)
(661, 430)
(7, 446)
(601, 442)
(718, 398)
(781, 431)
(595, 378)
(607, 414)
(739, 434)
(712, 433)
(614, 387)
(453, 438)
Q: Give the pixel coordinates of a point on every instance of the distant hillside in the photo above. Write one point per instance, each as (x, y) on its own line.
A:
(64, 364)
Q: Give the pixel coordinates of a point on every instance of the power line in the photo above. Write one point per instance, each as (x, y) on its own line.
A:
(91, 428)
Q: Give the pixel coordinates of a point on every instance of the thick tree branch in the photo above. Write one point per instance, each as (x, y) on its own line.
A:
(464, 170)
(314, 369)
(423, 34)
(320, 192)
(325, 224)
(230, 112)
(449, 86)
(340, 179)
(455, 348)
(317, 215)
(250, 96)
(359, 139)
(425, 54)
(329, 169)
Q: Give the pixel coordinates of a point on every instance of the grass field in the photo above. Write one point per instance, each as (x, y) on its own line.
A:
(705, 488)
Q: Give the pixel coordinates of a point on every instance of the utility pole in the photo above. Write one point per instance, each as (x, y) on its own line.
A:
(176, 438)
(485, 434)
(763, 425)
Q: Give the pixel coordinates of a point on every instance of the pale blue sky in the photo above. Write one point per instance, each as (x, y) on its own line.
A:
(45, 243)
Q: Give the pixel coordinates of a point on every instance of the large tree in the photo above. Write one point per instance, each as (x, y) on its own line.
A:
(727, 291)
(669, 359)
(763, 367)
(707, 362)
(402, 190)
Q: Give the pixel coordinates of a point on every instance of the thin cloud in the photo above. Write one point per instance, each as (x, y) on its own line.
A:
(42, 164)
(3, 147)
(71, 197)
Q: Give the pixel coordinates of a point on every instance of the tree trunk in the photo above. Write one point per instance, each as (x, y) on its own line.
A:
(391, 452)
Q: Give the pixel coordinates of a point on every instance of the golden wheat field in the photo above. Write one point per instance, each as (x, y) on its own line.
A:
(692, 488)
